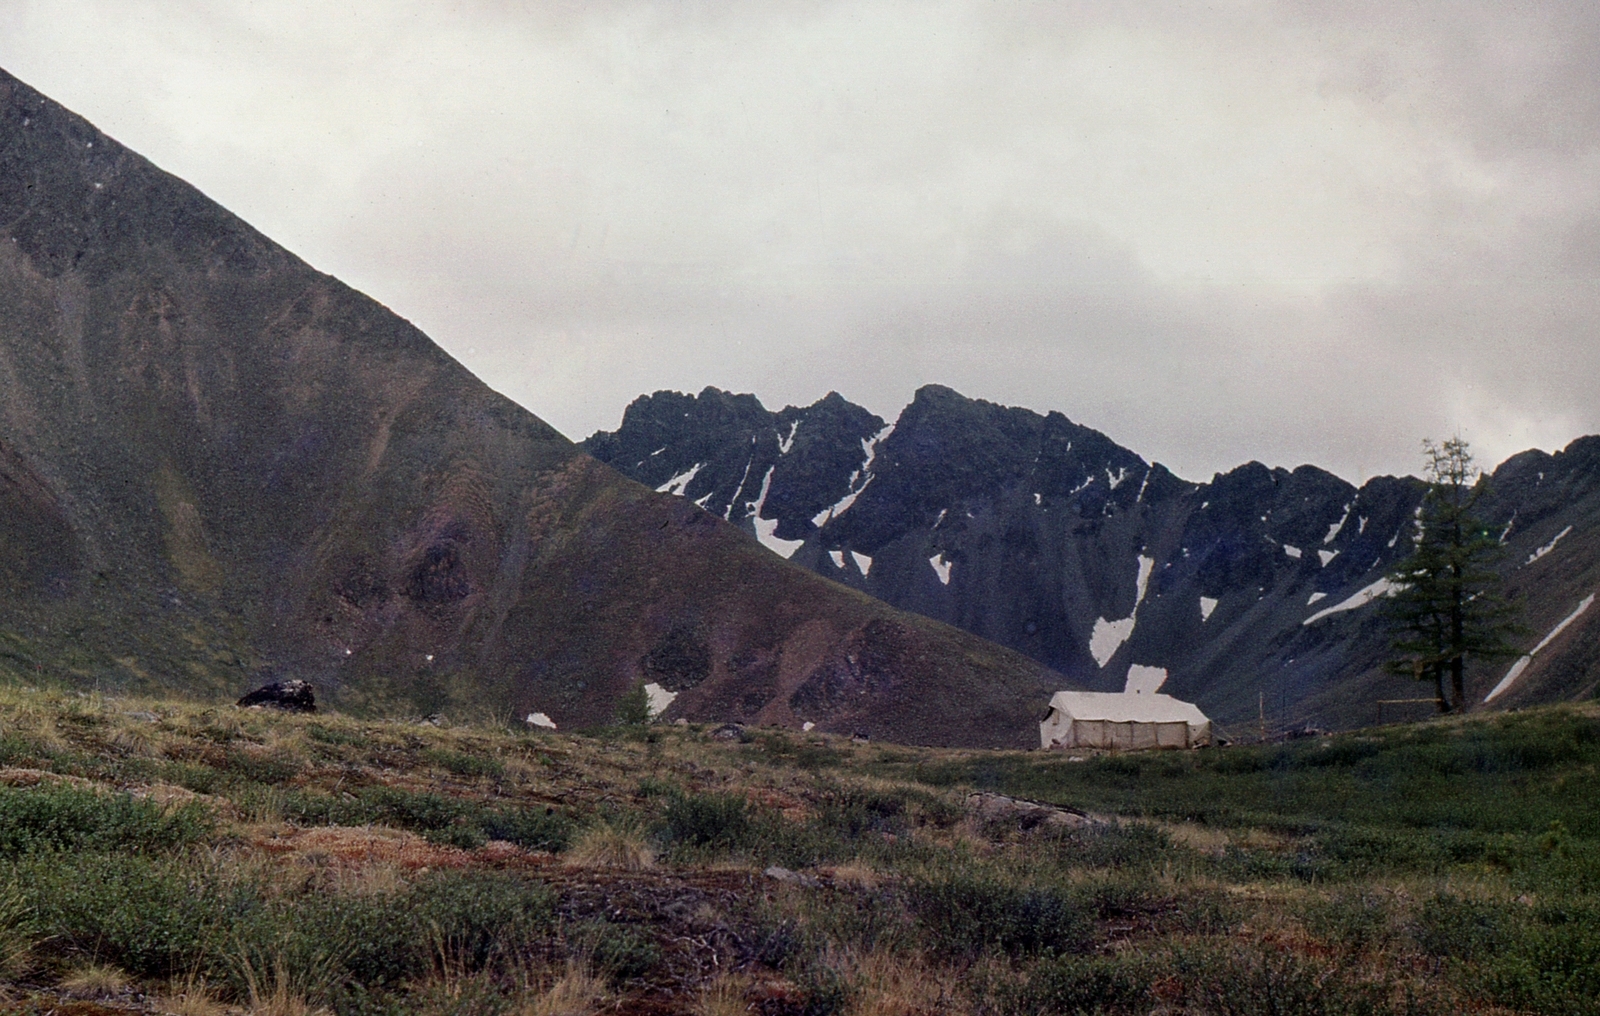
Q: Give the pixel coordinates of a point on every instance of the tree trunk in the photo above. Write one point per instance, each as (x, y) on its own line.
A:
(1458, 632)
(1438, 687)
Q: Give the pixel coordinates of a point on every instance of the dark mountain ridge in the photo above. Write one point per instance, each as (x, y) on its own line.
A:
(1253, 589)
(219, 466)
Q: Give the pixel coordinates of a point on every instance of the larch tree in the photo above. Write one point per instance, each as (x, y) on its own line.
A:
(1445, 608)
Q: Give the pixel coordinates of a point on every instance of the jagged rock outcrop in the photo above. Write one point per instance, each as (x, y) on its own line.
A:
(1253, 589)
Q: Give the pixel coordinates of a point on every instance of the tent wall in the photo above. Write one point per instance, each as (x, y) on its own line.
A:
(1061, 731)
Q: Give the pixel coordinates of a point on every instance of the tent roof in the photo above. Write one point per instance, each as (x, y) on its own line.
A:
(1126, 707)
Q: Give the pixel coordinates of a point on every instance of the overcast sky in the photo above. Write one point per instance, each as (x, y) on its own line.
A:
(1294, 232)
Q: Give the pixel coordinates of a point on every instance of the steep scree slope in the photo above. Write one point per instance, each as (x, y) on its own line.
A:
(1254, 590)
(218, 465)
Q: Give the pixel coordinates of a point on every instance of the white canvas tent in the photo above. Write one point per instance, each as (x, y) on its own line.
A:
(1135, 718)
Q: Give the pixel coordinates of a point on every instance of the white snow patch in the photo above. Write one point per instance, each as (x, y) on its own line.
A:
(1326, 556)
(863, 562)
(838, 558)
(678, 484)
(1116, 481)
(1143, 581)
(660, 698)
(1363, 596)
(941, 567)
(1547, 548)
(703, 498)
(807, 726)
(942, 512)
(1315, 597)
(727, 513)
(869, 448)
(1395, 538)
(1207, 605)
(785, 443)
(1145, 484)
(1333, 530)
(1107, 637)
(1036, 498)
(540, 720)
(1144, 680)
(1293, 552)
(658, 451)
(766, 529)
(1522, 664)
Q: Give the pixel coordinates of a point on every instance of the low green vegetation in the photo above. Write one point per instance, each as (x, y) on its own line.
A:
(170, 857)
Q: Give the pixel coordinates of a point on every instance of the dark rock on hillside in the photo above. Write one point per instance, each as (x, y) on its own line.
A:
(1254, 590)
(290, 696)
(216, 462)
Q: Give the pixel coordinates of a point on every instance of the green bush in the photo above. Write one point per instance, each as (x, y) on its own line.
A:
(1070, 985)
(963, 915)
(67, 818)
(465, 764)
(532, 828)
(150, 917)
(474, 915)
(709, 821)
(619, 950)
(1449, 927)
(1242, 981)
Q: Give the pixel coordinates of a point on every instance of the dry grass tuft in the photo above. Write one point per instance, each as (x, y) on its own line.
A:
(898, 984)
(577, 992)
(191, 997)
(856, 873)
(280, 996)
(724, 996)
(612, 843)
(95, 981)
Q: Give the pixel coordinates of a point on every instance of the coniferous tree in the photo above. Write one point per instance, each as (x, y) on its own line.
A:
(1445, 607)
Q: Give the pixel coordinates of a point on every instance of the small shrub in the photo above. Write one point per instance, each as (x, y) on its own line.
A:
(532, 828)
(1355, 921)
(633, 709)
(334, 735)
(67, 818)
(1456, 928)
(619, 950)
(964, 915)
(466, 764)
(475, 914)
(1069, 985)
(714, 821)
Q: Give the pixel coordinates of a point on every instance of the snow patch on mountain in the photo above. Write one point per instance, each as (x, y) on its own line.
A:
(1293, 552)
(1327, 556)
(1363, 596)
(1108, 637)
(1547, 548)
(766, 529)
(838, 558)
(785, 443)
(1207, 605)
(1333, 530)
(1142, 583)
(679, 483)
(659, 697)
(1522, 663)
(941, 567)
(863, 563)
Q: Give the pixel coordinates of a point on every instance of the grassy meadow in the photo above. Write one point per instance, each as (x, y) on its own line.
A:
(161, 856)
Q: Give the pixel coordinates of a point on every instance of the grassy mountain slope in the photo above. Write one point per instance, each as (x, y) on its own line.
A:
(218, 465)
